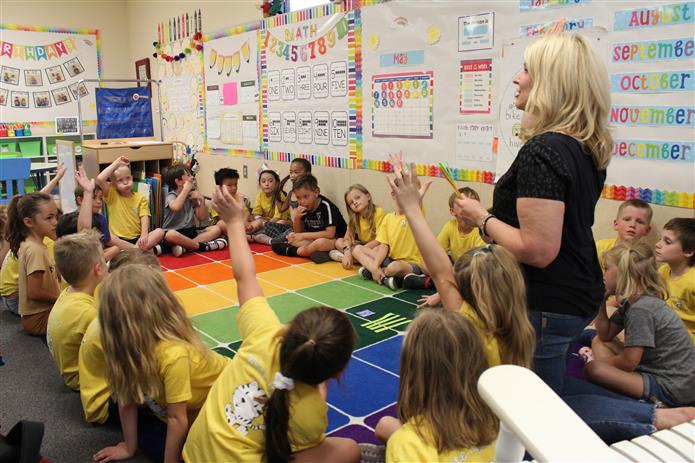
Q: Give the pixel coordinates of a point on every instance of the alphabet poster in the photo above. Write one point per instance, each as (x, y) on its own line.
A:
(40, 70)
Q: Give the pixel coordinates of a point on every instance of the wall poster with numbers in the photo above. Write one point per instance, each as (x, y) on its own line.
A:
(306, 75)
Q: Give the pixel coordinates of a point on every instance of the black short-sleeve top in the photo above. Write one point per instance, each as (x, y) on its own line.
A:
(554, 166)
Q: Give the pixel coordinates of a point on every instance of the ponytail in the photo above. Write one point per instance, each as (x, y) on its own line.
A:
(316, 346)
(19, 208)
(637, 271)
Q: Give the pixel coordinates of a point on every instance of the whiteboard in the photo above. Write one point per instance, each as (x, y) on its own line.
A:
(40, 71)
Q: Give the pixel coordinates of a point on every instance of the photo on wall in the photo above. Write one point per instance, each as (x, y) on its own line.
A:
(78, 87)
(66, 125)
(20, 99)
(10, 75)
(3, 97)
(42, 99)
(74, 67)
(33, 78)
(55, 74)
(61, 95)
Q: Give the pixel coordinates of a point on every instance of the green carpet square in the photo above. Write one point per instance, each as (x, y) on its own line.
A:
(412, 295)
(224, 351)
(368, 335)
(287, 305)
(220, 324)
(386, 312)
(338, 294)
(369, 284)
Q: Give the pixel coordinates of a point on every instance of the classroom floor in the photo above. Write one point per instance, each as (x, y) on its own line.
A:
(369, 387)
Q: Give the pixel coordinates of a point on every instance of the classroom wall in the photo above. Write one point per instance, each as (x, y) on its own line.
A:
(109, 16)
(128, 28)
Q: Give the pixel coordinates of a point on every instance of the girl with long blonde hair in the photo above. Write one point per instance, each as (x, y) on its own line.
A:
(441, 414)
(364, 218)
(153, 357)
(657, 360)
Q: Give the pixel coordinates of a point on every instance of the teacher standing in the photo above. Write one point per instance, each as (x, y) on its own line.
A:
(543, 207)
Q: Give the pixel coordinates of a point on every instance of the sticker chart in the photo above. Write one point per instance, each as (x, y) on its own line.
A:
(402, 105)
(205, 285)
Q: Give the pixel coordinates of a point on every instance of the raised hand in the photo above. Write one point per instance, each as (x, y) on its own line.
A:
(85, 182)
(229, 207)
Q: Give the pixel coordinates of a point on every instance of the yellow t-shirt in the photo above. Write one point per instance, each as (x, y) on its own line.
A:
(395, 232)
(9, 274)
(603, 246)
(406, 446)
(71, 315)
(125, 213)
(455, 243)
(94, 388)
(36, 257)
(490, 343)
(364, 232)
(215, 217)
(681, 296)
(187, 376)
(263, 207)
(230, 426)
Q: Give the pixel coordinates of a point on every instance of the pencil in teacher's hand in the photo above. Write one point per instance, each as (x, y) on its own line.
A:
(447, 176)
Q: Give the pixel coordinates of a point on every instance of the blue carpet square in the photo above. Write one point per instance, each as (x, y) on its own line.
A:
(362, 389)
(336, 420)
(385, 354)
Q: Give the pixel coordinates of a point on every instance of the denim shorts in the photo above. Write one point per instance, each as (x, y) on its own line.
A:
(10, 303)
(653, 392)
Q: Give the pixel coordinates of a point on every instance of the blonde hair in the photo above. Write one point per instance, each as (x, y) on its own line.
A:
(570, 93)
(637, 204)
(441, 360)
(137, 310)
(134, 256)
(465, 191)
(354, 219)
(637, 271)
(491, 282)
(77, 254)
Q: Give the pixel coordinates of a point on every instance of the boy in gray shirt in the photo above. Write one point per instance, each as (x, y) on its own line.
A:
(183, 204)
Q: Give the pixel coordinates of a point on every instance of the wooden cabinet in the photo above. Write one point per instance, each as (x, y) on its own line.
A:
(145, 155)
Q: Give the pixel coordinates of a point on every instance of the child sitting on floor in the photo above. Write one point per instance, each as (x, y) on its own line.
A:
(316, 217)
(183, 204)
(298, 167)
(632, 222)
(364, 220)
(129, 212)
(268, 222)
(228, 178)
(269, 404)
(441, 415)
(657, 360)
(456, 237)
(676, 250)
(80, 261)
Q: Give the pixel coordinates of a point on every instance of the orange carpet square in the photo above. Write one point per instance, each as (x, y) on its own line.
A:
(177, 282)
(207, 273)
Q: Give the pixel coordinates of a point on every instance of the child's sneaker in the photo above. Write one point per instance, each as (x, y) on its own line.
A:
(364, 273)
(336, 255)
(415, 281)
(320, 257)
(216, 245)
(177, 251)
(391, 282)
(157, 250)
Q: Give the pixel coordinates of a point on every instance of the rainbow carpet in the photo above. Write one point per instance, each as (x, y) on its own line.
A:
(369, 387)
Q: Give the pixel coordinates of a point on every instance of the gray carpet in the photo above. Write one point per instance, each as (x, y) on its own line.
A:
(32, 389)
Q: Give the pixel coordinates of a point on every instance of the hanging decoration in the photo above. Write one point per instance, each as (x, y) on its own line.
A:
(196, 43)
(38, 52)
(310, 50)
(229, 62)
(179, 27)
(272, 7)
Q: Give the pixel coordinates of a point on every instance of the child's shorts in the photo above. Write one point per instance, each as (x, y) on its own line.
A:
(11, 303)
(654, 394)
(415, 267)
(275, 230)
(190, 232)
(131, 240)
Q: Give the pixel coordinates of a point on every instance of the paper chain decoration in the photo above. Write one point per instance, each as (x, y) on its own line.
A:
(196, 43)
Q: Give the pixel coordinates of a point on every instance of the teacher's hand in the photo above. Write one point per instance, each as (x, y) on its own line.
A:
(471, 210)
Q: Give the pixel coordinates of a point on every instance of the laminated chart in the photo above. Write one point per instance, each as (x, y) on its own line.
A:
(402, 105)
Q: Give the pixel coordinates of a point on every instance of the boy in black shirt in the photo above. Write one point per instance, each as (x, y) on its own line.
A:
(316, 223)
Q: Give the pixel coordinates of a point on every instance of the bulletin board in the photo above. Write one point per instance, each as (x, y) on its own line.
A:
(40, 70)
(434, 81)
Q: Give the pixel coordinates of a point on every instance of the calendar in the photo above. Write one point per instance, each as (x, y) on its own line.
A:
(402, 105)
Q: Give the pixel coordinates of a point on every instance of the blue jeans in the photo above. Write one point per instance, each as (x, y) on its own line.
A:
(614, 417)
(555, 333)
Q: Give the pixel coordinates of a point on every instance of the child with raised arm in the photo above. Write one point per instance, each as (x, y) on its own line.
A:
(229, 179)
(129, 213)
(269, 403)
(316, 223)
(676, 250)
(486, 284)
(364, 219)
(183, 205)
(80, 261)
(657, 361)
(456, 237)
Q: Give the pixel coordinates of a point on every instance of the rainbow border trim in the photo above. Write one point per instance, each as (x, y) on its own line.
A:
(656, 196)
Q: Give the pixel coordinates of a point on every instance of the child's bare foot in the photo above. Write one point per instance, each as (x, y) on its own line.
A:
(666, 418)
